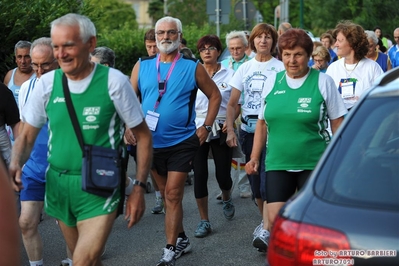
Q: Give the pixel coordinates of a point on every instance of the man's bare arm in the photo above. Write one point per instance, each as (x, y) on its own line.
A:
(21, 151)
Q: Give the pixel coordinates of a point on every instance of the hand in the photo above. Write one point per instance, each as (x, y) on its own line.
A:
(202, 134)
(231, 139)
(129, 138)
(224, 128)
(135, 206)
(251, 167)
(15, 174)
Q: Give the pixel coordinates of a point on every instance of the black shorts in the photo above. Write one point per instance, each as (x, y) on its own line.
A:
(281, 185)
(177, 158)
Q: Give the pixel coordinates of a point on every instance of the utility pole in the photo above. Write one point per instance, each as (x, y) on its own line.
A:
(218, 18)
(244, 14)
(165, 7)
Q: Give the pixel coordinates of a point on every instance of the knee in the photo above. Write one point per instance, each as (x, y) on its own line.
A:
(174, 196)
(27, 225)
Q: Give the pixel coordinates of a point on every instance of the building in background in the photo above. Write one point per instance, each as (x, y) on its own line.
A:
(141, 8)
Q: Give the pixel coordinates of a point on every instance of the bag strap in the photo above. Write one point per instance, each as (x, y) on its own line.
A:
(71, 111)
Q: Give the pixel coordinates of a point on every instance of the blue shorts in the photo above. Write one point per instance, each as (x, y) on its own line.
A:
(33, 189)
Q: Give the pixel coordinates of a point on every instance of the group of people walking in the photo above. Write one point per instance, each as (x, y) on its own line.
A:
(265, 103)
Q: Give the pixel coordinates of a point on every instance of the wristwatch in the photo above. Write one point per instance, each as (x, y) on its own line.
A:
(208, 128)
(139, 183)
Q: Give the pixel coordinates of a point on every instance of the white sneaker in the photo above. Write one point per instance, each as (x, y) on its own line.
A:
(246, 194)
(257, 230)
(168, 258)
(261, 242)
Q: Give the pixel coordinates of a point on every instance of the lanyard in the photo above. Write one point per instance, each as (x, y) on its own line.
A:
(162, 83)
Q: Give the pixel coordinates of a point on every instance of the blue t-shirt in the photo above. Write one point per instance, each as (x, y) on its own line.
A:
(176, 109)
(394, 55)
(35, 167)
(382, 60)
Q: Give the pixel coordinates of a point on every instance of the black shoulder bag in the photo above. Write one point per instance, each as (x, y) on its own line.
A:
(101, 167)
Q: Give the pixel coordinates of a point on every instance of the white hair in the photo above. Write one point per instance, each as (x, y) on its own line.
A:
(236, 34)
(86, 26)
(170, 20)
(371, 35)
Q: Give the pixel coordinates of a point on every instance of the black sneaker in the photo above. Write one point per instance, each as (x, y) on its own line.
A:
(183, 246)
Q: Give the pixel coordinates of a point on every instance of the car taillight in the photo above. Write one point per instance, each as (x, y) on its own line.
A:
(297, 244)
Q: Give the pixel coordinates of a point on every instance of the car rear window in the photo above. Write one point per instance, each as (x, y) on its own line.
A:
(363, 167)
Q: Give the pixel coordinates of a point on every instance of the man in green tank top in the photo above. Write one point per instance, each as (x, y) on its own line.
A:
(104, 101)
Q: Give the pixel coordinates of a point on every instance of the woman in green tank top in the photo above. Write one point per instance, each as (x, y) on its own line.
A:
(296, 106)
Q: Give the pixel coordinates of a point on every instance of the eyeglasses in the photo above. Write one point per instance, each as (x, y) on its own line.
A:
(202, 50)
(319, 61)
(168, 32)
(44, 66)
(235, 48)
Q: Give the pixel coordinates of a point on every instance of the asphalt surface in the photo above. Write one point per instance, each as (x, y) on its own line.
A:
(230, 242)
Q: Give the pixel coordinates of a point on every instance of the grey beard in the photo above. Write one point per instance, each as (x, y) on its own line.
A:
(170, 48)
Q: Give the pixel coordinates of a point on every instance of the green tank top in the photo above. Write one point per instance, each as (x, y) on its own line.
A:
(297, 122)
(99, 122)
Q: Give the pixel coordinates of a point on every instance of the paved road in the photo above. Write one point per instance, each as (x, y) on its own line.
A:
(230, 243)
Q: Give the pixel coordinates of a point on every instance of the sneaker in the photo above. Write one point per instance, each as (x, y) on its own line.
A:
(228, 209)
(246, 194)
(168, 258)
(261, 242)
(183, 246)
(219, 196)
(66, 262)
(159, 206)
(257, 230)
(203, 229)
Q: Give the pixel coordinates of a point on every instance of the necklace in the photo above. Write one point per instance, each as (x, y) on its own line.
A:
(216, 70)
(349, 71)
(264, 64)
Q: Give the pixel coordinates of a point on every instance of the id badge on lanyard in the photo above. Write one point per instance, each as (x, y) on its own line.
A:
(152, 117)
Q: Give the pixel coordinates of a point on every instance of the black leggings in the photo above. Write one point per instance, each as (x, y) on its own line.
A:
(222, 155)
(281, 185)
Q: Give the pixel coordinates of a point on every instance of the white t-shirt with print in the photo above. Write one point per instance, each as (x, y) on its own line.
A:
(250, 79)
(353, 80)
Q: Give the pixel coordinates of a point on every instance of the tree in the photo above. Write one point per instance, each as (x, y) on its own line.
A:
(29, 20)
(113, 15)
(155, 10)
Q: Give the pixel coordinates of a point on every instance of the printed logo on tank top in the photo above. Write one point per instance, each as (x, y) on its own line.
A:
(59, 100)
(304, 105)
(91, 115)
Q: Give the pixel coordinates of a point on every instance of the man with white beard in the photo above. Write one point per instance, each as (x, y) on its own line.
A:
(168, 85)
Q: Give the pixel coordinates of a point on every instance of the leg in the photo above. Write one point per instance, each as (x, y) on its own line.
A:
(201, 189)
(28, 222)
(87, 240)
(243, 182)
(280, 186)
(222, 157)
(201, 180)
(160, 180)
(222, 154)
(71, 237)
(272, 211)
(174, 191)
(265, 217)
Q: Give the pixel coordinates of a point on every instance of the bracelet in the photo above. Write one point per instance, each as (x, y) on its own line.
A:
(139, 183)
